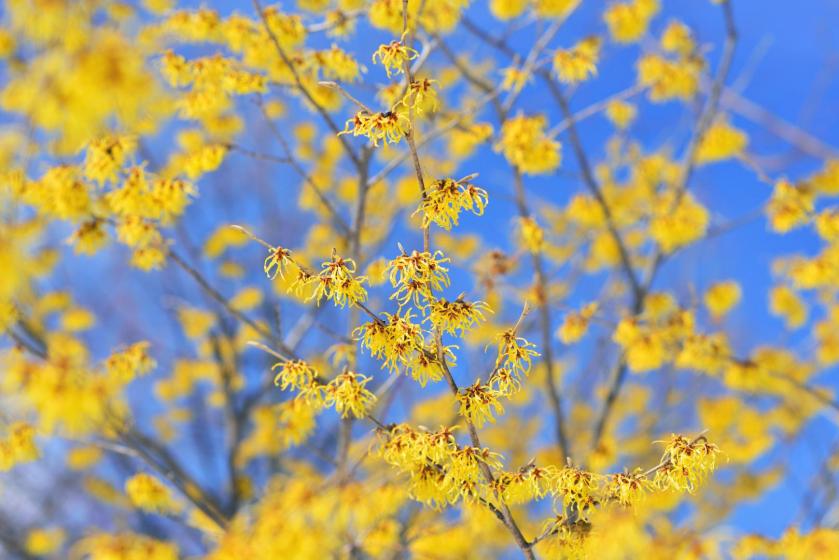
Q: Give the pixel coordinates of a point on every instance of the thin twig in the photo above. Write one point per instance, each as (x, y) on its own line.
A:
(298, 80)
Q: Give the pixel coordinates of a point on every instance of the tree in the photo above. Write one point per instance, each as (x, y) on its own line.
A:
(389, 279)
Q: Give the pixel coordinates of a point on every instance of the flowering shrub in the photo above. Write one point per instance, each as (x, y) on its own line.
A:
(426, 366)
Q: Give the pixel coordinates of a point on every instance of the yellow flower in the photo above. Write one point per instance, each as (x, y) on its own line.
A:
(135, 231)
(515, 353)
(669, 79)
(706, 353)
(276, 262)
(507, 9)
(296, 374)
(784, 302)
(171, 196)
(479, 403)
(64, 195)
(149, 258)
(458, 315)
(337, 281)
(621, 113)
(464, 139)
(677, 38)
(827, 224)
(790, 206)
(446, 198)
(674, 225)
(18, 446)
(628, 21)
(554, 8)
(105, 546)
(689, 463)
(347, 393)
(721, 141)
(524, 486)
(394, 56)
(421, 96)
(77, 319)
(148, 494)
(394, 339)
(722, 297)
(130, 362)
(525, 145)
(514, 79)
(578, 63)
(337, 64)
(44, 542)
(645, 349)
(246, 298)
(578, 489)
(826, 181)
(575, 325)
(628, 489)
(288, 28)
(195, 322)
(83, 458)
(505, 382)
(417, 275)
(388, 127)
(105, 157)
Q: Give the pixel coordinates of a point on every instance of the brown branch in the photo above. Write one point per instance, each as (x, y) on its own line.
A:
(301, 172)
(256, 155)
(409, 135)
(345, 431)
(158, 458)
(799, 139)
(298, 80)
(542, 287)
(593, 187)
(221, 300)
(689, 162)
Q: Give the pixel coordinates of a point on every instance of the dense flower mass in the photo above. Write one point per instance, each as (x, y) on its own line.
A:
(255, 302)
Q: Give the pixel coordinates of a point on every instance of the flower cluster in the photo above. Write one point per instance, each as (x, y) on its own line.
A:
(296, 374)
(337, 281)
(687, 464)
(131, 362)
(455, 317)
(421, 96)
(440, 471)
(648, 344)
(417, 275)
(447, 198)
(389, 126)
(515, 353)
(399, 342)
(348, 394)
(394, 56)
(479, 403)
(525, 485)
(105, 157)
